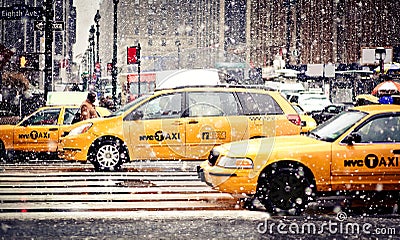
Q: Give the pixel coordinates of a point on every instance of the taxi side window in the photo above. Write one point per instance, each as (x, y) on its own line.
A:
(383, 129)
(165, 106)
(44, 117)
(256, 104)
(202, 104)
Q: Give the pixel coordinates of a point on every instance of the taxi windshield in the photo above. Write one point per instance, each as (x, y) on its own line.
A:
(334, 128)
(127, 106)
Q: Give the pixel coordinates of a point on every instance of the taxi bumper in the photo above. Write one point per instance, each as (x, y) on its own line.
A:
(71, 154)
(233, 181)
(72, 149)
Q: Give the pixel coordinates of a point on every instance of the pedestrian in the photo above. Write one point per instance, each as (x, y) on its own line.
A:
(75, 88)
(88, 109)
(110, 103)
(103, 101)
(106, 102)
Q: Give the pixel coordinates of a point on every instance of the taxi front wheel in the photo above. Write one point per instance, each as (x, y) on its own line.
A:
(285, 191)
(107, 155)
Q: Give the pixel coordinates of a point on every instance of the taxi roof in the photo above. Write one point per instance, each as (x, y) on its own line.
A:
(378, 108)
(228, 87)
(66, 98)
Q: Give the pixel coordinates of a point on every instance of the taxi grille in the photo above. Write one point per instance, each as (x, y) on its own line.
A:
(212, 158)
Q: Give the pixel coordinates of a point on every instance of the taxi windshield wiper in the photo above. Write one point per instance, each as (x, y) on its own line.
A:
(314, 135)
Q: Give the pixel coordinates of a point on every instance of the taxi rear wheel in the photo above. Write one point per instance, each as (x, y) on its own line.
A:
(107, 156)
(285, 191)
(3, 153)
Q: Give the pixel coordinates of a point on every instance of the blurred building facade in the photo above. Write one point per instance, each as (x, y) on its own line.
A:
(255, 32)
(322, 31)
(21, 37)
(169, 32)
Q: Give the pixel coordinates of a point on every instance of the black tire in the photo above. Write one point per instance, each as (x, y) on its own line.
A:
(107, 155)
(285, 190)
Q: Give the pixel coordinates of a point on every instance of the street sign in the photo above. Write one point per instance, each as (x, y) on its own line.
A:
(58, 26)
(17, 12)
(133, 54)
(39, 25)
(64, 63)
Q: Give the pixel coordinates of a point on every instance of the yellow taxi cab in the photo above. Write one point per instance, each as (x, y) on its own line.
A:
(308, 123)
(357, 150)
(39, 132)
(182, 123)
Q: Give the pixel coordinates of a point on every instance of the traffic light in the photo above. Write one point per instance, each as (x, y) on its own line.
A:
(133, 55)
(29, 61)
(22, 62)
(109, 68)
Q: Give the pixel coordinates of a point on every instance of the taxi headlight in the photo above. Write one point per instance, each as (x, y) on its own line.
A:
(81, 129)
(241, 163)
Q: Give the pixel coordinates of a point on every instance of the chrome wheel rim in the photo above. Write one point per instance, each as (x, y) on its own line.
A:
(108, 156)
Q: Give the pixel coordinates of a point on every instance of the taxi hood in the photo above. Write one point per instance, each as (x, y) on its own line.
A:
(253, 147)
(101, 120)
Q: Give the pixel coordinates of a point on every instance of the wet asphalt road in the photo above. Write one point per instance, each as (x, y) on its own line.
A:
(327, 222)
(199, 225)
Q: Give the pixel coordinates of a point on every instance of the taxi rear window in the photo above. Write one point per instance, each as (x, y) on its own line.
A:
(259, 104)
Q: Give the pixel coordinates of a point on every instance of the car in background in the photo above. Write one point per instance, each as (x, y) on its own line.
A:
(39, 132)
(182, 123)
(308, 123)
(108, 91)
(366, 99)
(355, 152)
(286, 89)
(310, 101)
(328, 112)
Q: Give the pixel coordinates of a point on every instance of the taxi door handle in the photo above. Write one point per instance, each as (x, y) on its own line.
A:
(53, 129)
(193, 121)
(177, 123)
(397, 151)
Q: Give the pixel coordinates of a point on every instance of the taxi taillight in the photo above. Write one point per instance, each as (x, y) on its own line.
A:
(294, 118)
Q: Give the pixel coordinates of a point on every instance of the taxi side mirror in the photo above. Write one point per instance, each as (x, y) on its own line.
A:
(135, 115)
(354, 137)
(24, 124)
